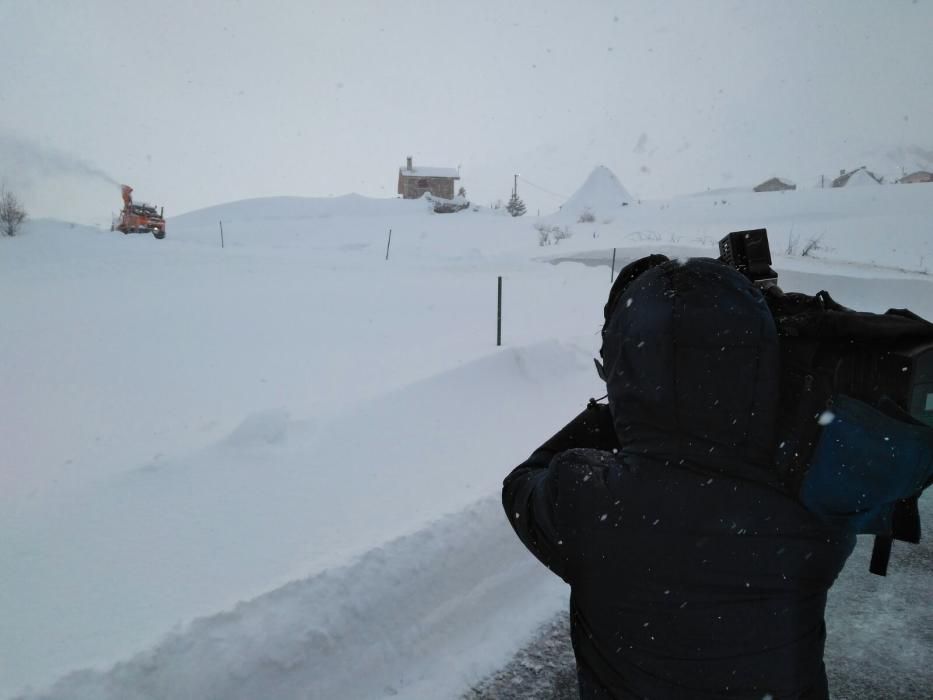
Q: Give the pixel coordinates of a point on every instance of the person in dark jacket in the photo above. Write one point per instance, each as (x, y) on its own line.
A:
(693, 575)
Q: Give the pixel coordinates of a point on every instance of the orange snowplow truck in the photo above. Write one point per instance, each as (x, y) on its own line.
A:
(139, 218)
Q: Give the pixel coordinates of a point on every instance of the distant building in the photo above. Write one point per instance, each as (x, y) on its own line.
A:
(844, 177)
(414, 182)
(919, 176)
(776, 184)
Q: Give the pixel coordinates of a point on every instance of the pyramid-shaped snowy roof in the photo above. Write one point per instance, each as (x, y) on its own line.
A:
(601, 192)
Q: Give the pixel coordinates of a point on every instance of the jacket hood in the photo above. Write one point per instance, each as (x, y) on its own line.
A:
(690, 352)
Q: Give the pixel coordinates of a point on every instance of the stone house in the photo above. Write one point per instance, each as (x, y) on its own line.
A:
(844, 176)
(776, 184)
(919, 176)
(415, 181)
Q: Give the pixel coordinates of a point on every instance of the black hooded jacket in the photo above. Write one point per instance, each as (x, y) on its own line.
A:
(692, 574)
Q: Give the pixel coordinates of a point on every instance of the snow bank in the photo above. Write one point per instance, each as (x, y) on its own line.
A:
(278, 208)
(105, 569)
(421, 618)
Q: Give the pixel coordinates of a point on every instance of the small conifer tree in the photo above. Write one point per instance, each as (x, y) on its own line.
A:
(515, 207)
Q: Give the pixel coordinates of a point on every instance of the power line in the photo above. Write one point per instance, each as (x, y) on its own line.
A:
(543, 189)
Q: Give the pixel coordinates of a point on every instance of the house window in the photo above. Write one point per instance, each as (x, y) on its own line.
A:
(422, 183)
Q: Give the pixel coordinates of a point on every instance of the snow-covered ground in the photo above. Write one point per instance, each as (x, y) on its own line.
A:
(272, 469)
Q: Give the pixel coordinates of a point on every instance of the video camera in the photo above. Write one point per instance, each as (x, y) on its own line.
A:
(748, 252)
(869, 359)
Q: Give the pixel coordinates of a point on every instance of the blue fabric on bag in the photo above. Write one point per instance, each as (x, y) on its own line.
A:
(866, 461)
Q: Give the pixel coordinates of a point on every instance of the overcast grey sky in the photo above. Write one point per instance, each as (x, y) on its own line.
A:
(197, 102)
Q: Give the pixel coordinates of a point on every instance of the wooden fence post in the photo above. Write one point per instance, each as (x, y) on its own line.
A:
(499, 316)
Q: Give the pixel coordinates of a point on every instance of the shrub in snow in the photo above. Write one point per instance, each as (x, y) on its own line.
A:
(811, 245)
(560, 234)
(12, 214)
(644, 236)
(586, 217)
(546, 234)
(447, 206)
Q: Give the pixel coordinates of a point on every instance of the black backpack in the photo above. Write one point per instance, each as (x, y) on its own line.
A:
(844, 375)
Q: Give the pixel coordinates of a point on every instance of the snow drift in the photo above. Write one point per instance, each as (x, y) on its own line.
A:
(400, 621)
(271, 209)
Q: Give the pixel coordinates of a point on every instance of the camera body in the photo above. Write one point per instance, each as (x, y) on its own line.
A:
(879, 363)
(748, 252)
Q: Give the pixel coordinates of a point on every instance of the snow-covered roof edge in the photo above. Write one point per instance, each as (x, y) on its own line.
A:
(426, 171)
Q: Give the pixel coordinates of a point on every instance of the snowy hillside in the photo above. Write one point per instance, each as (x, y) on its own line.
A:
(894, 163)
(278, 208)
(254, 471)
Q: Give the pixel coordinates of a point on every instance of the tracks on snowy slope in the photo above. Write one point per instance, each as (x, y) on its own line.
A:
(424, 616)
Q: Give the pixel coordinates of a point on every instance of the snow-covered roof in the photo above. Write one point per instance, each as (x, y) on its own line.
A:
(918, 176)
(601, 193)
(426, 171)
(775, 182)
(860, 178)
